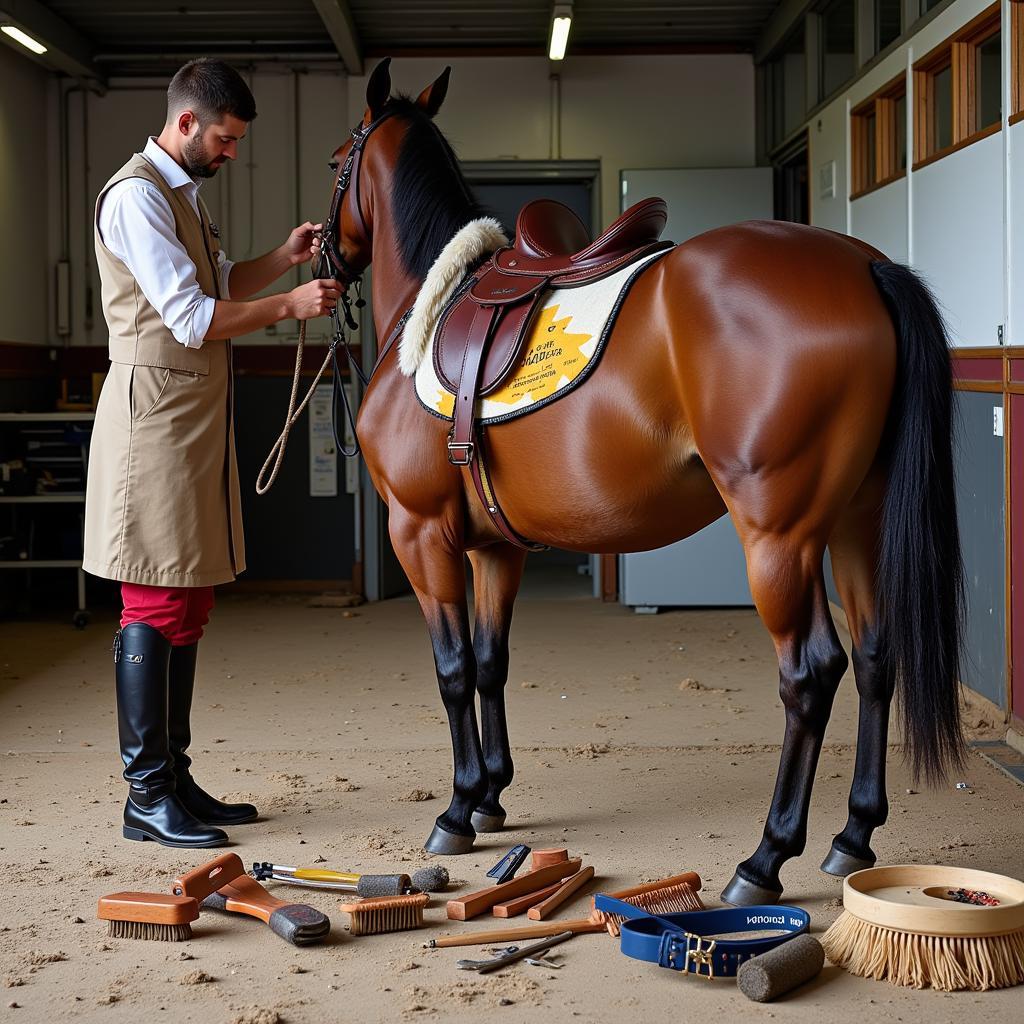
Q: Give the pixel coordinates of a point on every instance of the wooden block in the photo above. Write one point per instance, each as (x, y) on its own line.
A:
(564, 891)
(512, 907)
(542, 858)
(467, 907)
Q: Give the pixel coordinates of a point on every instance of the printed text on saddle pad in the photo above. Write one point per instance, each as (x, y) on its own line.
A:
(563, 343)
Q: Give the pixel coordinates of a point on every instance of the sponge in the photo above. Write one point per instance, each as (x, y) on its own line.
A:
(781, 969)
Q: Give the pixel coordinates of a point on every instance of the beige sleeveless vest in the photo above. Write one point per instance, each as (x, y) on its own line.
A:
(162, 496)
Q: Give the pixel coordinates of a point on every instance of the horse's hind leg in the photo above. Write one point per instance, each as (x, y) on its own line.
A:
(438, 576)
(497, 572)
(788, 585)
(853, 546)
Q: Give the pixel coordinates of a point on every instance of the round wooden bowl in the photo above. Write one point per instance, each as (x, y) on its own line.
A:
(911, 898)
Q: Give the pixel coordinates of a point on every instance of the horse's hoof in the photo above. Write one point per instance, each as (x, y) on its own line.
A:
(842, 864)
(741, 893)
(483, 822)
(449, 843)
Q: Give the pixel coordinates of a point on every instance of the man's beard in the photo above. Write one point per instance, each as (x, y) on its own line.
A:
(197, 161)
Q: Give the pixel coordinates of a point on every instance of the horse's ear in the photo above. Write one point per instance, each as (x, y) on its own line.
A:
(433, 96)
(378, 88)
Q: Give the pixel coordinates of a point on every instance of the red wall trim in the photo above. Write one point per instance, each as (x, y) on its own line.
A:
(977, 369)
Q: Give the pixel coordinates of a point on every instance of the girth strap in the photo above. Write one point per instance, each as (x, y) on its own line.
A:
(465, 443)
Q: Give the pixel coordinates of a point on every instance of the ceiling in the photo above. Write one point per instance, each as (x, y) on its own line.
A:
(119, 37)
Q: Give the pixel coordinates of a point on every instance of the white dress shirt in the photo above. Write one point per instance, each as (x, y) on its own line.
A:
(137, 225)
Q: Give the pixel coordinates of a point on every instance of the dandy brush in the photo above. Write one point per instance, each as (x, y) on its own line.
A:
(434, 879)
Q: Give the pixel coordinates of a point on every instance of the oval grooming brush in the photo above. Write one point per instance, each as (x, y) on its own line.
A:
(927, 925)
(148, 915)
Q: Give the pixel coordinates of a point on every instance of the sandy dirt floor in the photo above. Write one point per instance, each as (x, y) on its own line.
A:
(647, 745)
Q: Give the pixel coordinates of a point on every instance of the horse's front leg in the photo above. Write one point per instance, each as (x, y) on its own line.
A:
(438, 576)
(497, 572)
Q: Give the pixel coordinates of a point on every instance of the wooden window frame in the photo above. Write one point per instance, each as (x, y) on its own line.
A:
(883, 105)
(960, 53)
(1016, 61)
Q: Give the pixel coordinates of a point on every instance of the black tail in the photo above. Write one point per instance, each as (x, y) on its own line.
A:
(920, 571)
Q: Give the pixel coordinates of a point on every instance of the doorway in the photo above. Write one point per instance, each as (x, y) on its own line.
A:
(792, 182)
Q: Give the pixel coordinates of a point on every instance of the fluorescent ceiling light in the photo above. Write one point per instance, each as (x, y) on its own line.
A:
(24, 38)
(561, 20)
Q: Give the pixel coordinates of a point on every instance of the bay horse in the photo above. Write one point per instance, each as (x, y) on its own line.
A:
(788, 375)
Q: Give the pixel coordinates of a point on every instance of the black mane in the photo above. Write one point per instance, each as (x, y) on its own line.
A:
(431, 199)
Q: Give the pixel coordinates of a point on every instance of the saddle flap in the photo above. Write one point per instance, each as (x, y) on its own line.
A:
(495, 288)
(502, 348)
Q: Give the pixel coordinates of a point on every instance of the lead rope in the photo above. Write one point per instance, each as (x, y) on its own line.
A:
(277, 452)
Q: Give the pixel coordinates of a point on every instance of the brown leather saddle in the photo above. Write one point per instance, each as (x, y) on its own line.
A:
(481, 334)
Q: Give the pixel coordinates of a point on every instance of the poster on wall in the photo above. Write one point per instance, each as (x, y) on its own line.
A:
(323, 454)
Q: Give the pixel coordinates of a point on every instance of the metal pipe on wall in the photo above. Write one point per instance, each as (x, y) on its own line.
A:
(555, 146)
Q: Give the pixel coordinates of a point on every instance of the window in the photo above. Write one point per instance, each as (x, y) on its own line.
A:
(838, 48)
(887, 22)
(879, 138)
(958, 89)
(786, 86)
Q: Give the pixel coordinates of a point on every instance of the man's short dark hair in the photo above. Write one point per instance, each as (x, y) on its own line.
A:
(210, 89)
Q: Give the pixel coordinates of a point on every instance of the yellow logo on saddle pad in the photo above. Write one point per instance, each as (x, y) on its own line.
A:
(566, 339)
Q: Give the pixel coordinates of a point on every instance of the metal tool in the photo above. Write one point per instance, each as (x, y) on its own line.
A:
(543, 962)
(509, 864)
(511, 954)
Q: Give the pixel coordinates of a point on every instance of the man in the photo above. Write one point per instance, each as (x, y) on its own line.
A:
(162, 507)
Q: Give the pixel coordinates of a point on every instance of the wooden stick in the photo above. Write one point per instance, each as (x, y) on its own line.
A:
(564, 891)
(477, 902)
(529, 931)
(512, 907)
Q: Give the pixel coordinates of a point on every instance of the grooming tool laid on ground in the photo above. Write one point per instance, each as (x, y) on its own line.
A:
(902, 924)
(583, 926)
(510, 908)
(148, 915)
(432, 879)
(676, 894)
(509, 864)
(223, 885)
(386, 913)
(681, 941)
(564, 892)
(781, 969)
(363, 885)
(466, 907)
(512, 954)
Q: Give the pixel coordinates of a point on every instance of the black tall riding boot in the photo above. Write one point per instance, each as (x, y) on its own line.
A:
(181, 679)
(153, 810)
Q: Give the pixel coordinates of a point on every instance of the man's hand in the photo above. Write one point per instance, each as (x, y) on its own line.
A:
(318, 298)
(301, 245)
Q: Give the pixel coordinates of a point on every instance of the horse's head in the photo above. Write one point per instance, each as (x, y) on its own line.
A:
(367, 161)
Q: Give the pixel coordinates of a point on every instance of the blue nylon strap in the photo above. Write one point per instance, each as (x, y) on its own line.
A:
(678, 941)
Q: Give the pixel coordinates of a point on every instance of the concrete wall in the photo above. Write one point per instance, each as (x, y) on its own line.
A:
(949, 219)
(25, 263)
(662, 111)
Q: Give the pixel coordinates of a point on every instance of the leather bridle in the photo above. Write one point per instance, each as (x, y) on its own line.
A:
(331, 263)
